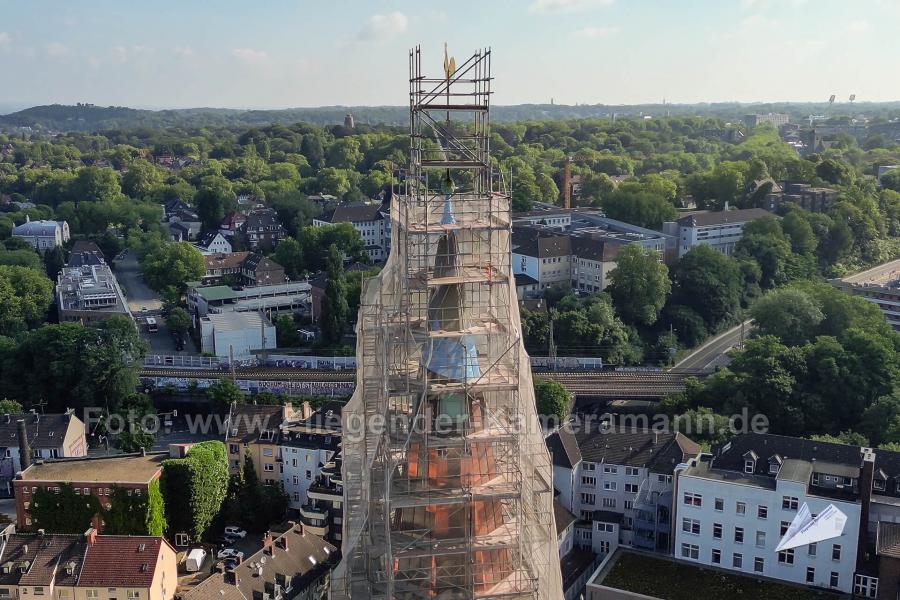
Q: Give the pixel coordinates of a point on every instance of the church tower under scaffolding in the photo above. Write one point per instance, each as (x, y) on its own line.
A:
(448, 487)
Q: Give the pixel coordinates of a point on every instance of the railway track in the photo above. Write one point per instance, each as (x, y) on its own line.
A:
(604, 384)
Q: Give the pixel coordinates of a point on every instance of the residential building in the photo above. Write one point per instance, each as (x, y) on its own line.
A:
(236, 334)
(293, 565)
(553, 259)
(565, 527)
(232, 223)
(84, 253)
(89, 566)
(734, 505)
(214, 243)
(721, 230)
(879, 285)
(619, 484)
(306, 445)
(47, 436)
(804, 195)
(242, 268)
(774, 119)
(127, 567)
(281, 298)
(42, 235)
(325, 500)
(253, 429)
(184, 231)
(372, 221)
(262, 229)
(89, 293)
(95, 476)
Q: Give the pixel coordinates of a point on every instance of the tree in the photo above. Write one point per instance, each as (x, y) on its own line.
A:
(94, 184)
(286, 332)
(335, 310)
(224, 393)
(194, 488)
(10, 407)
(789, 314)
(26, 257)
(800, 232)
(641, 208)
(289, 254)
(134, 439)
(590, 325)
(172, 265)
(311, 148)
(834, 171)
(891, 180)
(639, 285)
(178, 321)
(141, 179)
(709, 283)
(552, 399)
(54, 261)
(214, 198)
(25, 295)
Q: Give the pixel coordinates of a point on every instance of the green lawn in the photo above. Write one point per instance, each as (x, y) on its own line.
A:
(676, 581)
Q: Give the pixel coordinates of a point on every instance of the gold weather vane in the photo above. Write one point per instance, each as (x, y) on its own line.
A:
(449, 64)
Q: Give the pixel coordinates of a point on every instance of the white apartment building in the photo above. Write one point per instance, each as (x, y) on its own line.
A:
(372, 221)
(306, 446)
(619, 484)
(733, 507)
(720, 230)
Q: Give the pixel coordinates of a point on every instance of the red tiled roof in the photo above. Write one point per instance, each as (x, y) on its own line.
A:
(118, 561)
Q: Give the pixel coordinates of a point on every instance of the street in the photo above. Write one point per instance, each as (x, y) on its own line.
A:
(710, 354)
(140, 297)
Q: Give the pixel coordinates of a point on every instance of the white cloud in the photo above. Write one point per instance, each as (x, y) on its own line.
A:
(596, 32)
(250, 56)
(381, 27)
(564, 6)
(5, 39)
(119, 55)
(183, 52)
(94, 62)
(858, 26)
(57, 49)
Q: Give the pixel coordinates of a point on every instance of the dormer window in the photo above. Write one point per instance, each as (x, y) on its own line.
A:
(750, 462)
(879, 485)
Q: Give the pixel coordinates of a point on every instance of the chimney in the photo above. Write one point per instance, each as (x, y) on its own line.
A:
(283, 541)
(24, 446)
(91, 536)
(866, 481)
(268, 548)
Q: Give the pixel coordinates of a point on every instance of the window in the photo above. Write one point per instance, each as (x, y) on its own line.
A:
(588, 481)
(610, 469)
(604, 547)
(664, 479)
(836, 552)
(762, 512)
(760, 539)
(786, 557)
(879, 486)
(773, 467)
(738, 535)
(295, 480)
(719, 504)
(716, 556)
(810, 575)
(268, 452)
(132, 594)
(789, 503)
(588, 499)
(811, 550)
(308, 474)
(606, 527)
(589, 466)
(232, 449)
(692, 499)
(737, 560)
(609, 503)
(609, 485)
(740, 508)
(691, 526)
(784, 527)
(268, 467)
(691, 551)
(631, 471)
(631, 488)
(38, 590)
(835, 579)
(759, 565)
(717, 531)
(749, 465)
(865, 586)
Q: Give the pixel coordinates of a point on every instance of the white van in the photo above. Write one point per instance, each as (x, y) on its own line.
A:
(195, 559)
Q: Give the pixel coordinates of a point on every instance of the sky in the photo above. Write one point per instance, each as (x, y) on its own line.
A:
(298, 53)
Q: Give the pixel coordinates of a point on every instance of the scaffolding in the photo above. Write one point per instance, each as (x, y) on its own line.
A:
(448, 487)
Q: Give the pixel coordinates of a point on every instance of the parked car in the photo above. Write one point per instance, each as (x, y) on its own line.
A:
(230, 553)
(232, 531)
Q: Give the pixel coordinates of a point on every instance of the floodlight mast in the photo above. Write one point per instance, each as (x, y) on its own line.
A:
(447, 480)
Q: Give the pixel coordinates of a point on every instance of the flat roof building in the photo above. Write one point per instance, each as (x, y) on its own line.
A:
(236, 334)
(89, 293)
